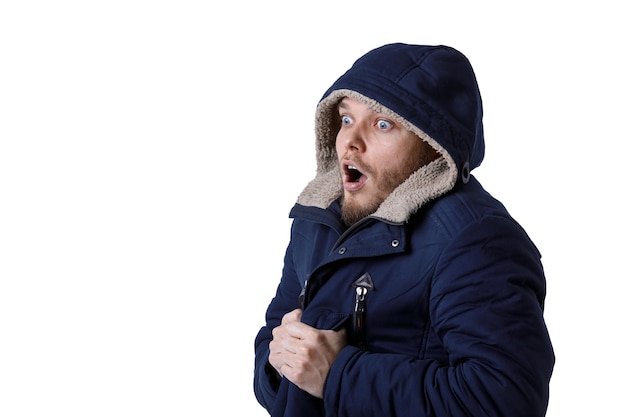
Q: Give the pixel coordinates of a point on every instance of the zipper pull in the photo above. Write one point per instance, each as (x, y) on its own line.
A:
(358, 317)
(362, 287)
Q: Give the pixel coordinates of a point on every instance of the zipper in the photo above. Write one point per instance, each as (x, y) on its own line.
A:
(302, 295)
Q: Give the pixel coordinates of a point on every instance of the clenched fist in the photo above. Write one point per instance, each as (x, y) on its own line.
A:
(304, 354)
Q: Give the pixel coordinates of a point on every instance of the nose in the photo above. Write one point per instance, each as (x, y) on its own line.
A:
(351, 138)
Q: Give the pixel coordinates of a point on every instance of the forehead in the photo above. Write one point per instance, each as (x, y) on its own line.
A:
(348, 103)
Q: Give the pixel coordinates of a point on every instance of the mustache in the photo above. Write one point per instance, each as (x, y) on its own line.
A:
(356, 160)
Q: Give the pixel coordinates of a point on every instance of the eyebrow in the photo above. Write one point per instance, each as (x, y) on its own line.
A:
(343, 105)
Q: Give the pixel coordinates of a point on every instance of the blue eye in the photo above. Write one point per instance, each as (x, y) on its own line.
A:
(384, 124)
(345, 120)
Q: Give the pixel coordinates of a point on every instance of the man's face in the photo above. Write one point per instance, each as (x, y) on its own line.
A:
(376, 154)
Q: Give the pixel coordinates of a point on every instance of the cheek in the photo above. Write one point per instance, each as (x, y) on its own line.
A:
(401, 161)
(338, 142)
(390, 156)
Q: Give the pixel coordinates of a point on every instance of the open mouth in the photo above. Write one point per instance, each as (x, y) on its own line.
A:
(353, 178)
(352, 173)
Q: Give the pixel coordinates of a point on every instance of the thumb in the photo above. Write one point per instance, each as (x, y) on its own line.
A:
(294, 315)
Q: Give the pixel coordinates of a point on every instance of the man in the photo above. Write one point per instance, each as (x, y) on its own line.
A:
(407, 289)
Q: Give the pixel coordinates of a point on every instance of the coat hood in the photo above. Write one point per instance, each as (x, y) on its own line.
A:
(430, 90)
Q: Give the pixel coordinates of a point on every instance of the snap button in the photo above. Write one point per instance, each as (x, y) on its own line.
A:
(465, 172)
(395, 243)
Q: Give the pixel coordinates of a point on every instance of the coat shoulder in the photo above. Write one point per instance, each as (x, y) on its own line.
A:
(463, 206)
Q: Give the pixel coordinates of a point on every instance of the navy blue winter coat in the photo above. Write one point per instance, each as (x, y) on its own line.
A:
(441, 290)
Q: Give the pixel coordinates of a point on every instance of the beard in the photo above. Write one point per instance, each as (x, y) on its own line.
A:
(353, 210)
(384, 181)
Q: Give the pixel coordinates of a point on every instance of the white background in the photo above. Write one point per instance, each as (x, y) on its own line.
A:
(150, 152)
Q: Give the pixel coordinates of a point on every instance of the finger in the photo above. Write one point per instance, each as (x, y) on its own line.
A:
(299, 330)
(291, 345)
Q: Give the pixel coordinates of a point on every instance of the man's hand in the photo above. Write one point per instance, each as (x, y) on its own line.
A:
(303, 354)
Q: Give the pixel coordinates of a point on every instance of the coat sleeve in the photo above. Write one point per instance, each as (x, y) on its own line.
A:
(486, 307)
(266, 380)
